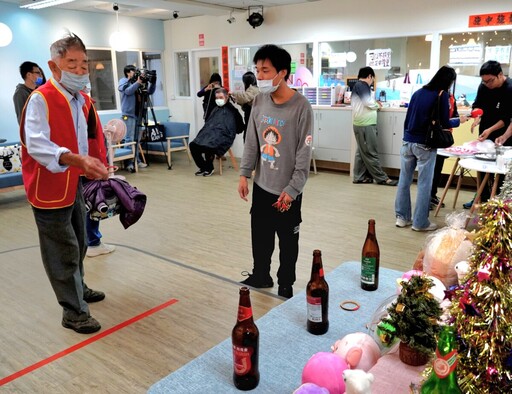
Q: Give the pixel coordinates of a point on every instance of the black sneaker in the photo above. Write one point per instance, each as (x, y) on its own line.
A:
(87, 326)
(435, 201)
(256, 282)
(208, 173)
(285, 291)
(91, 295)
(199, 173)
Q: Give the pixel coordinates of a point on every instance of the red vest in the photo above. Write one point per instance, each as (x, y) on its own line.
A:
(49, 190)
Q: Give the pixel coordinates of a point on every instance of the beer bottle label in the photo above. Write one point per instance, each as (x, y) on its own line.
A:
(314, 309)
(242, 359)
(445, 365)
(244, 313)
(368, 268)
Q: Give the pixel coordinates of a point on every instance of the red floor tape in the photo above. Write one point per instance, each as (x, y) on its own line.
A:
(88, 341)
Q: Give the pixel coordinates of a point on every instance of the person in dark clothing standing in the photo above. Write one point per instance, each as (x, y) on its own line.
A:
(208, 94)
(217, 134)
(494, 97)
(33, 77)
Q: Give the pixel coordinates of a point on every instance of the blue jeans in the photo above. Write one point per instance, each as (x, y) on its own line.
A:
(414, 155)
(131, 124)
(93, 231)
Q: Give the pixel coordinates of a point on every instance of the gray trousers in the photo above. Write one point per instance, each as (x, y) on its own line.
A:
(63, 243)
(366, 161)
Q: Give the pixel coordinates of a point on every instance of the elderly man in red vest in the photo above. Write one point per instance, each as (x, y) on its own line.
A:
(61, 141)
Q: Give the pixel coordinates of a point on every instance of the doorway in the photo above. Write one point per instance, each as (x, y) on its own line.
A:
(205, 64)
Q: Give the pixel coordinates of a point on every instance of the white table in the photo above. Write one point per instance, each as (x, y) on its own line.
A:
(456, 167)
(486, 167)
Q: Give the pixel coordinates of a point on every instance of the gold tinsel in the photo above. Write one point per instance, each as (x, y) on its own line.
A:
(482, 307)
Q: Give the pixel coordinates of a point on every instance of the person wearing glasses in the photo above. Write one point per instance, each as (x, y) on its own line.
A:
(33, 77)
(494, 97)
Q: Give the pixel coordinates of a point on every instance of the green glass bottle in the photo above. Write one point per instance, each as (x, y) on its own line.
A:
(443, 379)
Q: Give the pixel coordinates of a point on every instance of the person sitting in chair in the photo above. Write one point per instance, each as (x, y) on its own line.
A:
(217, 134)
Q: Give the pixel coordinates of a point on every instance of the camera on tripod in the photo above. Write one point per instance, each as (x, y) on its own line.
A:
(144, 75)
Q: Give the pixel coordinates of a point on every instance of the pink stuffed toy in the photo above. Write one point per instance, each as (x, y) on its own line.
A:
(325, 370)
(359, 350)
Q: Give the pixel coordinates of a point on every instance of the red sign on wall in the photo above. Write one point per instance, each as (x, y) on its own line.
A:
(482, 20)
(201, 40)
(225, 67)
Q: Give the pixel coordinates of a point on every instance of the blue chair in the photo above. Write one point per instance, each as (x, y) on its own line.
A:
(176, 139)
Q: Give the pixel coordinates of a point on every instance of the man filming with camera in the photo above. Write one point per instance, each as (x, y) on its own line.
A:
(134, 87)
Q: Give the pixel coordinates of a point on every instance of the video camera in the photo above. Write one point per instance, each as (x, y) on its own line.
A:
(144, 75)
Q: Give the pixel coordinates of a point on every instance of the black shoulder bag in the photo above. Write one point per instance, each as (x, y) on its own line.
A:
(437, 137)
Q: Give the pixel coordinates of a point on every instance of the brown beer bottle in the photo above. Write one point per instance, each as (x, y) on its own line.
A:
(370, 260)
(317, 297)
(245, 338)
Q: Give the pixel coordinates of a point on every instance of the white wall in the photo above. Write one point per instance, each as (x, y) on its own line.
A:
(326, 20)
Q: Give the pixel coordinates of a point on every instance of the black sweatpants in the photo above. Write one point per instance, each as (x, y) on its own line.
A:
(204, 163)
(266, 221)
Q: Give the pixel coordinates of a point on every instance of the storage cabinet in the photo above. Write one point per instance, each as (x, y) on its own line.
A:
(390, 126)
(331, 134)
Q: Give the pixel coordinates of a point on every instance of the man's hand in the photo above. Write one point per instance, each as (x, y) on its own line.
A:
(93, 168)
(484, 135)
(243, 188)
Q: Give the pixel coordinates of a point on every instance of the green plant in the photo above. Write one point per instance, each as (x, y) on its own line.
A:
(414, 316)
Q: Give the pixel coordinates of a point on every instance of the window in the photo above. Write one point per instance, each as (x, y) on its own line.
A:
(391, 59)
(183, 73)
(467, 51)
(102, 78)
(105, 79)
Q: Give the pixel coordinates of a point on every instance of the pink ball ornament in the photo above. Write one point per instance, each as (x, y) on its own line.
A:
(325, 370)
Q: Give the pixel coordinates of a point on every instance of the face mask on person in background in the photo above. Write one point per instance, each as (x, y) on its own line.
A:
(74, 82)
(265, 85)
(39, 81)
(220, 102)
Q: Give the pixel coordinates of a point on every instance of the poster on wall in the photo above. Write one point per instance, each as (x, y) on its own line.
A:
(500, 53)
(378, 59)
(465, 54)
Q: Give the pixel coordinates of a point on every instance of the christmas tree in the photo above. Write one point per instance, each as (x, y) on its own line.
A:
(482, 305)
(414, 316)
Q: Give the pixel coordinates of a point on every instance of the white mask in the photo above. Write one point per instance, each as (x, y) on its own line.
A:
(220, 102)
(266, 85)
(73, 82)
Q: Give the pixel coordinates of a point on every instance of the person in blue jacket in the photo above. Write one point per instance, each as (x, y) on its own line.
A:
(415, 154)
(130, 87)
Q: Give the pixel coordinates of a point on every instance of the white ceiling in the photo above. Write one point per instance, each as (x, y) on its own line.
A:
(163, 9)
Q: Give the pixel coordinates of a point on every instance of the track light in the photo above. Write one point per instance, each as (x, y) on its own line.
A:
(255, 16)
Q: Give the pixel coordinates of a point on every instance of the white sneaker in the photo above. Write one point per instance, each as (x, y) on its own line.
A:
(431, 227)
(93, 251)
(142, 165)
(402, 222)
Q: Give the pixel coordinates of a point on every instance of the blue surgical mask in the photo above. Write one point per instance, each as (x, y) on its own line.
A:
(266, 85)
(74, 82)
(39, 81)
(220, 102)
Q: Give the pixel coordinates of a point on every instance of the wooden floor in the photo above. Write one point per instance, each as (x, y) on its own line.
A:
(190, 245)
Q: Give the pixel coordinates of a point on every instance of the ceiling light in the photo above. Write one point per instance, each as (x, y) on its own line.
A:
(5, 35)
(37, 4)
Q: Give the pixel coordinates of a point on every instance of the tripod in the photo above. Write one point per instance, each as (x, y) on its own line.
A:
(143, 118)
